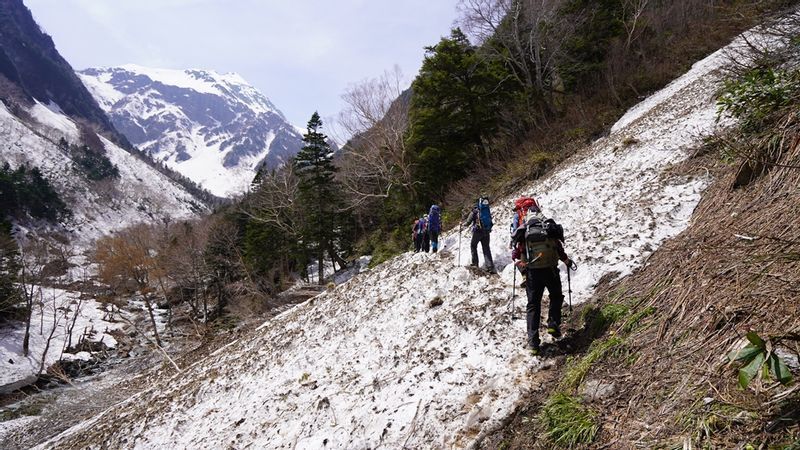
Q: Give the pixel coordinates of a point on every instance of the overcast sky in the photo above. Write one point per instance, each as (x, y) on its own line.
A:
(301, 54)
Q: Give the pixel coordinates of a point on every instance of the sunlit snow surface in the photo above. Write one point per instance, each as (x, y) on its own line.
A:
(373, 364)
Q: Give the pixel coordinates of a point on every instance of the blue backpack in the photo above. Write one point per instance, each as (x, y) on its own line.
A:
(434, 223)
(484, 216)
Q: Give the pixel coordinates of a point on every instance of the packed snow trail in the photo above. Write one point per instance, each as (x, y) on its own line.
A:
(616, 199)
(375, 362)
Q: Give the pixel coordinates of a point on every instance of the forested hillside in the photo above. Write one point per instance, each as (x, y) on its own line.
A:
(499, 101)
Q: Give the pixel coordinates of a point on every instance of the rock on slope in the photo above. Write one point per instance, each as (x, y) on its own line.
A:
(374, 362)
(215, 129)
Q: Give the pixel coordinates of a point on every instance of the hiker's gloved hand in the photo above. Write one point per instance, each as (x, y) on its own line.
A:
(521, 264)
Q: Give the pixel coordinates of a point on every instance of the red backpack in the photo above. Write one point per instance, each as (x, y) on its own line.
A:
(521, 207)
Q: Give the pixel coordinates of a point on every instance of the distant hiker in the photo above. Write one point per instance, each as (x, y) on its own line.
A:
(434, 227)
(414, 235)
(481, 221)
(422, 229)
(426, 236)
(522, 206)
(541, 241)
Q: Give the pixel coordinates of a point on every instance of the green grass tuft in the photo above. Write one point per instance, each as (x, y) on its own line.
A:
(567, 422)
(633, 320)
(575, 374)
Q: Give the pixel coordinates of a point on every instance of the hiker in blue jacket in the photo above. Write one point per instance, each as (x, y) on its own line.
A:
(434, 227)
(422, 231)
(481, 222)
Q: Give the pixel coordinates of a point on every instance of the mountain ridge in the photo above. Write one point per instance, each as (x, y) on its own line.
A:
(215, 129)
(30, 60)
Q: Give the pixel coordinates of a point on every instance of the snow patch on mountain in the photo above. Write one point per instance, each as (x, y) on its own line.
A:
(213, 128)
(140, 194)
(51, 116)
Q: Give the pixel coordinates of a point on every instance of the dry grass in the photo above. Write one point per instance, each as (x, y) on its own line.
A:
(736, 269)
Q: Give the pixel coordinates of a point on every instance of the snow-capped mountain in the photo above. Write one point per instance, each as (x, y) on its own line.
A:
(47, 117)
(420, 352)
(215, 129)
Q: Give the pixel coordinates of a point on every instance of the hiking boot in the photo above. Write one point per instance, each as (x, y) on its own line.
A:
(554, 331)
(533, 347)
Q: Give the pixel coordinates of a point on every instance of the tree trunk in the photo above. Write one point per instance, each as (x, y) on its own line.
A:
(320, 266)
(152, 319)
(337, 259)
(27, 339)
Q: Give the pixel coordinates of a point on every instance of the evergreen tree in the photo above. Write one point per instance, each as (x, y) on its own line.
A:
(324, 229)
(9, 270)
(456, 105)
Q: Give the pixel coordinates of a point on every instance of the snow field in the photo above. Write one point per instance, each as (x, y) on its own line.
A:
(90, 316)
(373, 362)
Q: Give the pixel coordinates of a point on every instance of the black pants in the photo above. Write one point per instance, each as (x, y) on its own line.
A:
(538, 280)
(482, 236)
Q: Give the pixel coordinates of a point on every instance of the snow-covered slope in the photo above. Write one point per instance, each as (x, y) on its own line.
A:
(215, 129)
(140, 194)
(375, 363)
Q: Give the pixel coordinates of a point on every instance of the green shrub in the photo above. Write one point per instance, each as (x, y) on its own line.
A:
(755, 97)
(384, 245)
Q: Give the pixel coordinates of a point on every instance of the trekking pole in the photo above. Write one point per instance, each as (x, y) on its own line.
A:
(571, 266)
(459, 243)
(569, 290)
(513, 291)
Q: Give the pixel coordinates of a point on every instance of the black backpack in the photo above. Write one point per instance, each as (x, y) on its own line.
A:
(541, 246)
(538, 229)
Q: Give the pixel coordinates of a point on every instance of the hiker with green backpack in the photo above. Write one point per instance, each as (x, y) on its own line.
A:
(480, 219)
(538, 243)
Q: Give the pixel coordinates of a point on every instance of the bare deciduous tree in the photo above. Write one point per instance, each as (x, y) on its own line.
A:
(274, 202)
(632, 11)
(527, 34)
(375, 161)
(129, 258)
